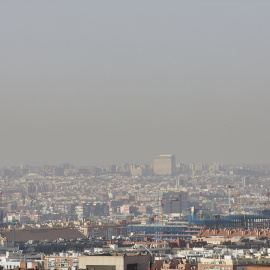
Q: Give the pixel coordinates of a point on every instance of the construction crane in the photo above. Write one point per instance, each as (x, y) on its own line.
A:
(239, 202)
(171, 199)
(180, 206)
(268, 197)
(162, 211)
(131, 217)
(200, 202)
(230, 206)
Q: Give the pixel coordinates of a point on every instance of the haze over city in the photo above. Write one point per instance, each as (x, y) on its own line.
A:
(108, 82)
(134, 135)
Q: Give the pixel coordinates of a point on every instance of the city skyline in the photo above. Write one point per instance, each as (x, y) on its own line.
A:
(134, 135)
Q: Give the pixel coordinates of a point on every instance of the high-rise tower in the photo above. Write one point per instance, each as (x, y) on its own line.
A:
(164, 165)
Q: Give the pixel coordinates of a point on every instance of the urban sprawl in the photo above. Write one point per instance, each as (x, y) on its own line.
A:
(167, 215)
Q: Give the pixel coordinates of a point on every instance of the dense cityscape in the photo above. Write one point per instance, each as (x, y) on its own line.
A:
(134, 135)
(181, 215)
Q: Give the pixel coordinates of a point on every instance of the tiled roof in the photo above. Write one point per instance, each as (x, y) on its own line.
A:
(43, 234)
(235, 233)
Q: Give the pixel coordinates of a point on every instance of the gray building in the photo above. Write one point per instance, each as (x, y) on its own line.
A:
(164, 165)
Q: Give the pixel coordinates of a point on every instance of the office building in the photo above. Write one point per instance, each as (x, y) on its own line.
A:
(164, 165)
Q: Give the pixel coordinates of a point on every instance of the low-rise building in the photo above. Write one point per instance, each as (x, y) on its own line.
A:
(105, 231)
(115, 262)
(231, 263)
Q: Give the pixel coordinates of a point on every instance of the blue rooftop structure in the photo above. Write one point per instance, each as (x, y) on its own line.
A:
(164, 231)
(243, 221)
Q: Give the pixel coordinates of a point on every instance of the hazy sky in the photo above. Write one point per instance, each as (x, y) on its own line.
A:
(107, 82)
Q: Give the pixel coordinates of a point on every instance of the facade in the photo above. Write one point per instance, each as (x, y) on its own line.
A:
(164, 165)
(136, 170)
(232, 222)
(229, 263)
(6, 263)
(121, 262)
(220, 236)
(22, 236)
(103, 231)
(160, 231)
(87, 210)
(175, 264)
(61, 262)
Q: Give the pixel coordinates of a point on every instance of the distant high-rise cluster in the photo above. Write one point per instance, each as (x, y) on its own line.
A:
(164, 165)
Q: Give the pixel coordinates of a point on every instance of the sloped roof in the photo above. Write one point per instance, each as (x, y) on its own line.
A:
(43, 234)
(235, 233)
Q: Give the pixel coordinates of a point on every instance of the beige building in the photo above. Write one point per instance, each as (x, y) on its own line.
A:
(164, 165)
(135, 170)
(117, 262)
(228, 263)
(64, 262)
(104, 231)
